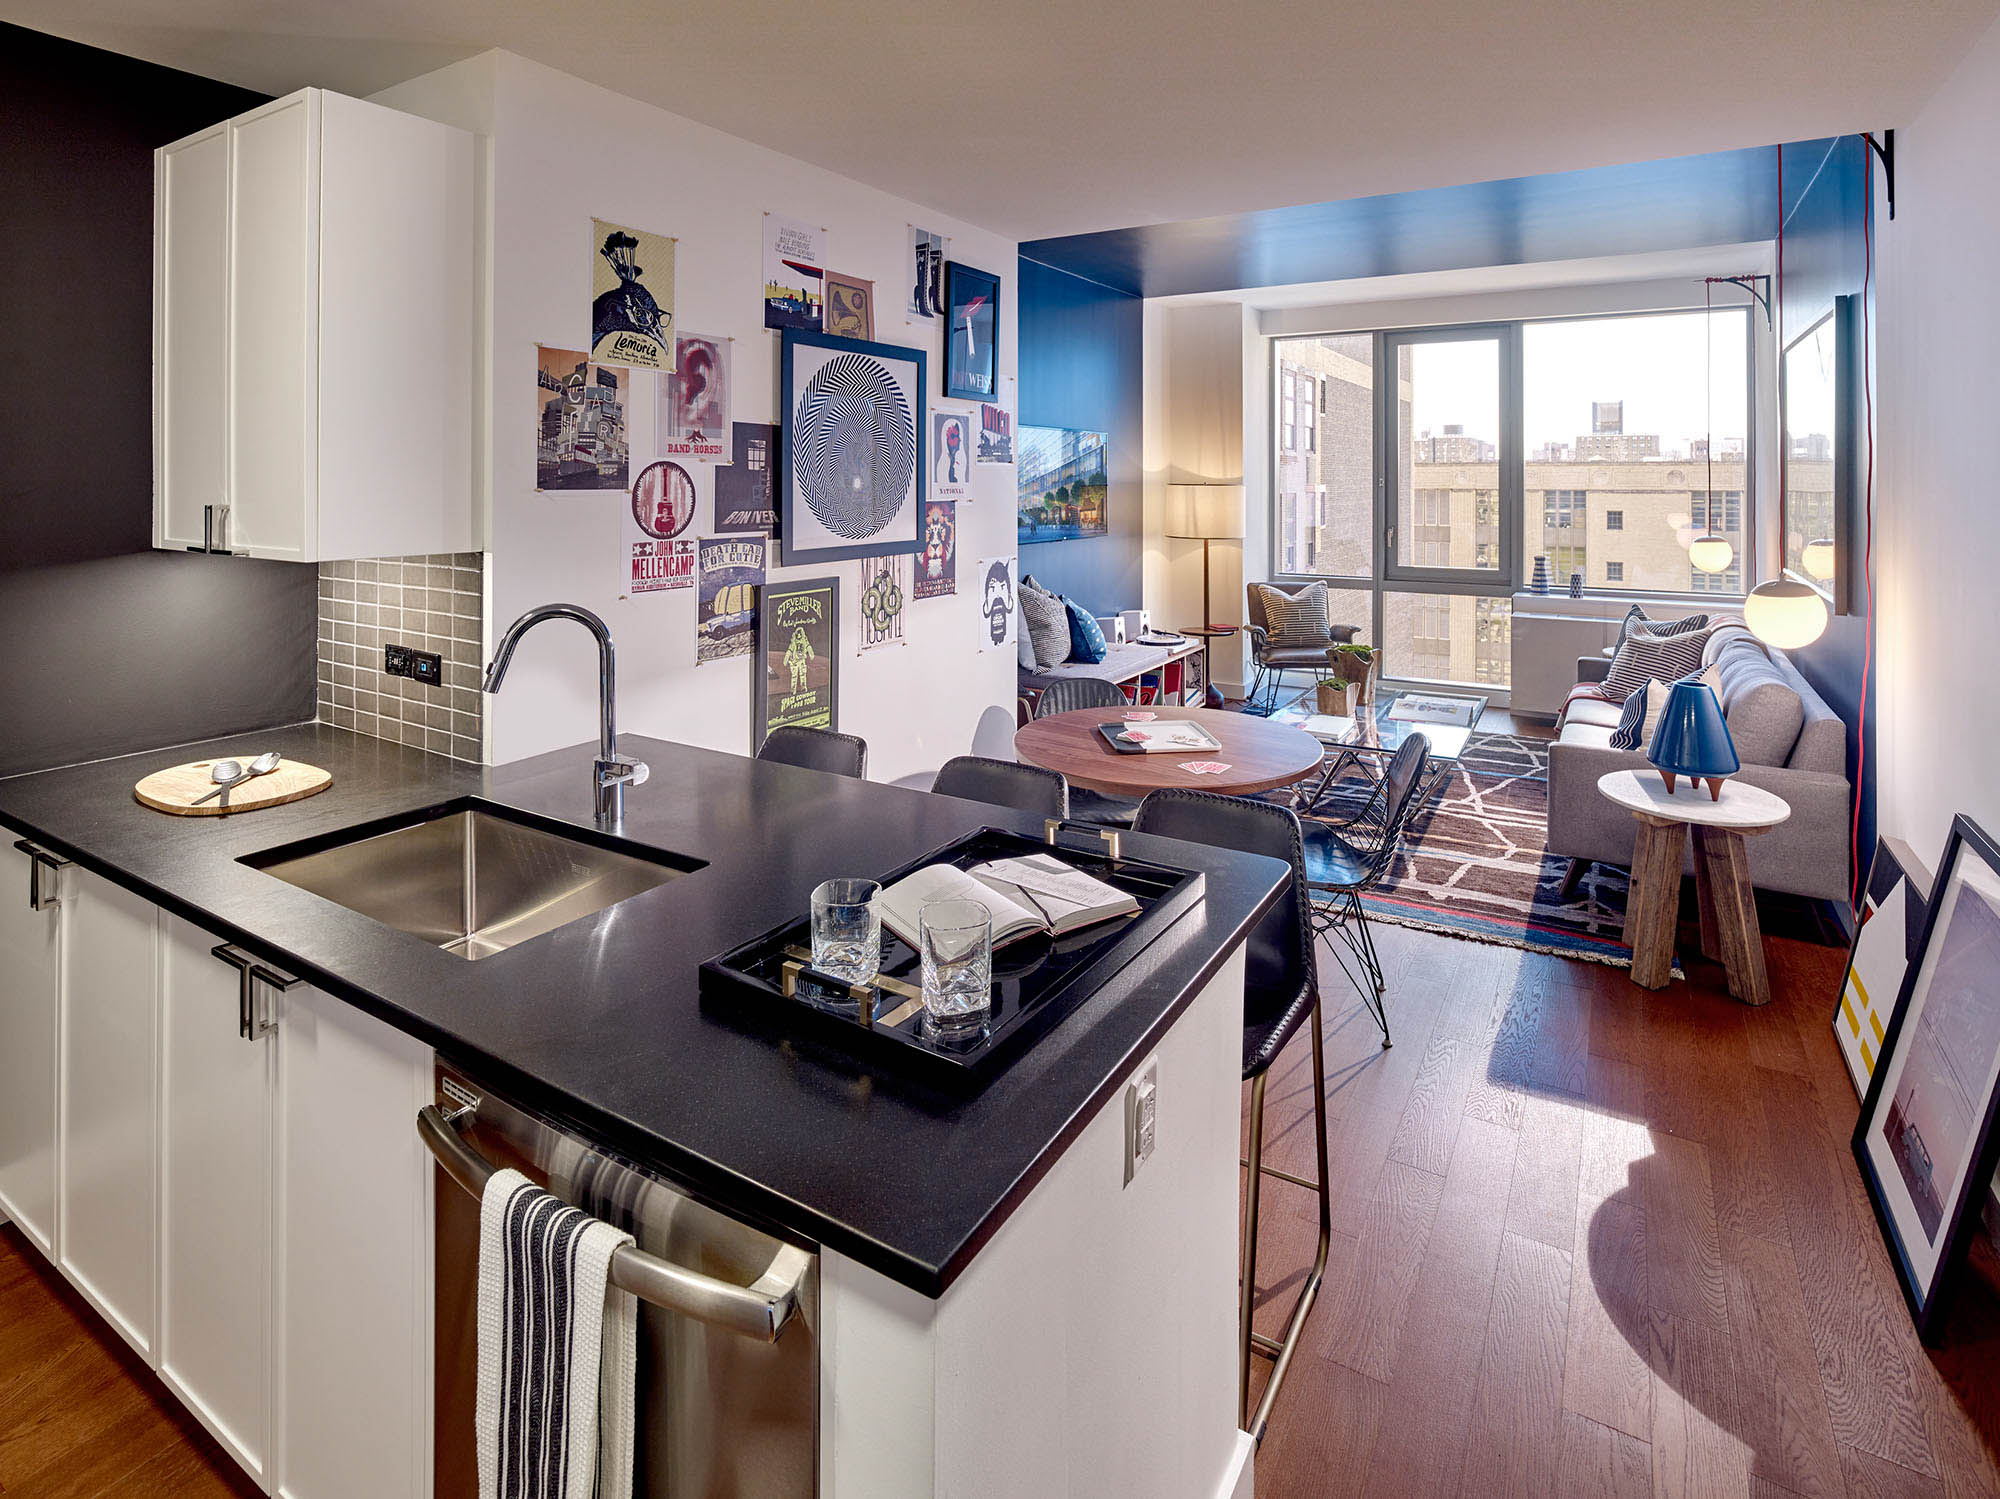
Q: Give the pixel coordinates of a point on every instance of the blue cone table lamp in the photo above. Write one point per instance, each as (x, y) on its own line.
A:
(1692, 740)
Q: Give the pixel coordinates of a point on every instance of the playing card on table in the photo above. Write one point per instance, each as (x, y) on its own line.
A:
(1140, 717)
(1204, 767)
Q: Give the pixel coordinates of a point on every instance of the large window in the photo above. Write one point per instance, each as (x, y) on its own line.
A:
(1422, 472)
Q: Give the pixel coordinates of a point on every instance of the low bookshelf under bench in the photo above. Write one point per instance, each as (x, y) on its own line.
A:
(1149, 675)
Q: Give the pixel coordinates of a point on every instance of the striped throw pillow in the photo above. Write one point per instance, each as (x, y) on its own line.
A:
(1662, 629)
(1648, 658)
(1297, 618)
(1630, 722)
(1644, 708)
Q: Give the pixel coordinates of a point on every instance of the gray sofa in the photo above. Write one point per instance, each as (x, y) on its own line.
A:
(1790, 743)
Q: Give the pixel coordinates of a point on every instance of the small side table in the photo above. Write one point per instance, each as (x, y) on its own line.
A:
(1729, 929)
(1208, 637)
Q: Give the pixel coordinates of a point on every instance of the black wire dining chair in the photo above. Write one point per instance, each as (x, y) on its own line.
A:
(1280, 998)
(1346, 857)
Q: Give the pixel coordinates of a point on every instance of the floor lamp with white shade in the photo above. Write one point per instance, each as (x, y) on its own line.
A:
(1205, 513)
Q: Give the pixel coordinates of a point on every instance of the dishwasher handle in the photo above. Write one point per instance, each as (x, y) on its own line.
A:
(761, 1311)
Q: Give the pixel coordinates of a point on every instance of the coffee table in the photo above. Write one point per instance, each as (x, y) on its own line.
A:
(1370, 735)
(1729, 931)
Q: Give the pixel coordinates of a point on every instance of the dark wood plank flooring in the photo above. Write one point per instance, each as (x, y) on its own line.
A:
(1591, 1240)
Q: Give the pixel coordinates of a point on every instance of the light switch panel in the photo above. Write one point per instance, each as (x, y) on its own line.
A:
(1141, 1119)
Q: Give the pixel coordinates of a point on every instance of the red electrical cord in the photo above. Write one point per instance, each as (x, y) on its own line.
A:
(1868, 517)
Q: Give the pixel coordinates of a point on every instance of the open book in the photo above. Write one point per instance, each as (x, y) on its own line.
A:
(1038, 893)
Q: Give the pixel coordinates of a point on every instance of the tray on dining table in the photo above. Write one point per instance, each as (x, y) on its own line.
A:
(1036, 980)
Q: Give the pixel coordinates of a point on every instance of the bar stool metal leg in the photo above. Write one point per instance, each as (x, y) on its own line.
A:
(1281, 1349)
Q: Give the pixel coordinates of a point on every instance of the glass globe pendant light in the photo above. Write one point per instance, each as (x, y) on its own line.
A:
(1817, 559)
(1710, 553)
(1785, 613)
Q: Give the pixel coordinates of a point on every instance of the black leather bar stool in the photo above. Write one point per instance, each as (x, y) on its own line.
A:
(817, 749)
(1280, 995)
(1065, 695)
(1004, 783)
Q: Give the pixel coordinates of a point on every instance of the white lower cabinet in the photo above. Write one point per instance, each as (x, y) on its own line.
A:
(354, 1255)
(251, 1212)
(30, 970)
(218, 1094)
(108, 1111)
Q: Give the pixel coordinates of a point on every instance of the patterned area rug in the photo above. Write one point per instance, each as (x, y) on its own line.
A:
(1476, 862)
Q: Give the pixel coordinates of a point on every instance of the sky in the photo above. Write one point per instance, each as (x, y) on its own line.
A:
(1652, 363)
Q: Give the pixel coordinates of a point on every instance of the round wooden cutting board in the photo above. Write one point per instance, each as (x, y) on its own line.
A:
(175, 790)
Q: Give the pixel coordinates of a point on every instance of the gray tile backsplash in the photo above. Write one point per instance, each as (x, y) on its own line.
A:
(426, 603)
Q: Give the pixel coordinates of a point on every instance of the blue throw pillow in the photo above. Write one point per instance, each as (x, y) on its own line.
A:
(1086, 640)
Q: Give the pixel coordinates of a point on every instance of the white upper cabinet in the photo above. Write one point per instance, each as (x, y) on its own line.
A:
(315, 287)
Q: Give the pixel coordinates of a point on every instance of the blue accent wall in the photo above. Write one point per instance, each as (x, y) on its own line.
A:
(1826, 186)
(1081, 366)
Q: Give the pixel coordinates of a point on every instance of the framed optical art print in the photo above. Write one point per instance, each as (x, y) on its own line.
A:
(1927, 1142)
(971, 333)
(852, 448)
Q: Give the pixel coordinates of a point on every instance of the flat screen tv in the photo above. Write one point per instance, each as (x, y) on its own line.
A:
(1060, 471)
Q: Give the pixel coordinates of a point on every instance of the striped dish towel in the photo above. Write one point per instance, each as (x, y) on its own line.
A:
(557, 1350)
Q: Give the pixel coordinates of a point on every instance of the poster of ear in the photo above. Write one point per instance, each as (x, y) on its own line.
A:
(850, 306)
(580, 441)
(853, 447)
(996, 435)
(632, 297)
(798, 638)
(658, 557)
(972, 333)
(996, 604)
(794, 273)
(951, 454)
(884, 586)
(744, 497)
(732, 570)
(937, 563)
(924, 255)
(694, 399)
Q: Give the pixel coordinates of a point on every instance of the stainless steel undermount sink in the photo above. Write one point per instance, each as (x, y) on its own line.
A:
(472, 878)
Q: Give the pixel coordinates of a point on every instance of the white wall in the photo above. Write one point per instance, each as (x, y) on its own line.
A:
(563, 152)
(1937, 506)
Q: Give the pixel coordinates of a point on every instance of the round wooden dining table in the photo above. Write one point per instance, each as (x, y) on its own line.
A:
(1261, 755)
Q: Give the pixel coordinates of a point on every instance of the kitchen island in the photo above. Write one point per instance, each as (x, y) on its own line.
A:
(998, 1310)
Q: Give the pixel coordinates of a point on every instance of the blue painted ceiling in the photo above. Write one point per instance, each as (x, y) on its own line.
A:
(1725, 197)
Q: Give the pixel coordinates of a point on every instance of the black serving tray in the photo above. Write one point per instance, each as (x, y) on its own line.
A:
(1036, 980)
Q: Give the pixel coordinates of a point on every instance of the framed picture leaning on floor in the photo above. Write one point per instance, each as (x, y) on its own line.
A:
(1927, 1142)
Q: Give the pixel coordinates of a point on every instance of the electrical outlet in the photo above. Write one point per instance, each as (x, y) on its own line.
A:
(427, 667)
(1141, 1118)
(398, 660)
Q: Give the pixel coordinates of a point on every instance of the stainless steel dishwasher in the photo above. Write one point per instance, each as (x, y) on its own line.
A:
(728, 1355)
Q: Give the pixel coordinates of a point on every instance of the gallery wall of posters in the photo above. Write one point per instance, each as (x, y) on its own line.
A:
(937, 563)
(951, 454)
(997, 579)
(996, 435)
(694, 399)
(745, 492)
(883, 593)
(850, 306)
(853, 447)
(632, 297)
(798, 640)
(924, 255)
(732, 571)
(580, 437)
(659, 556)
(972, 333)
(794, 273)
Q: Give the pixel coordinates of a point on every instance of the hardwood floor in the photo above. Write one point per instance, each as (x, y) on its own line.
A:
(80, 1414)
(1591, 1240)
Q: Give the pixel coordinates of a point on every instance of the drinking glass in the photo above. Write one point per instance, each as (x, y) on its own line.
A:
(957, 951)
(847, 930)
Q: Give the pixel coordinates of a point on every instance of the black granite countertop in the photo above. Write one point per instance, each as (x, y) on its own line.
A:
(598, 1025)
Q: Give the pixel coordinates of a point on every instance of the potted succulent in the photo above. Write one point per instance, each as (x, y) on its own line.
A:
(1356, 665)
(1335, 696)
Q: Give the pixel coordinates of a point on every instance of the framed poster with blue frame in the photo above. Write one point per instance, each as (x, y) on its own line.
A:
(852, 447)
(972, 333)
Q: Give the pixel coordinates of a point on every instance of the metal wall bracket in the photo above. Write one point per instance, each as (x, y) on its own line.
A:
(1885, 152)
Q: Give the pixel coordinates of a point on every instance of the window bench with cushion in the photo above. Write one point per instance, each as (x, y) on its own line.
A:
(1790, 742)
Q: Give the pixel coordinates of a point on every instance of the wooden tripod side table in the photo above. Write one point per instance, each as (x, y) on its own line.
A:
(1729, 931)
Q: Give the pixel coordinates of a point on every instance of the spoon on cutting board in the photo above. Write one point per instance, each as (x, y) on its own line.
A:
(228, 773)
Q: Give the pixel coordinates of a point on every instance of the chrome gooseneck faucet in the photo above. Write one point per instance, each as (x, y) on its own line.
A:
(612, 773)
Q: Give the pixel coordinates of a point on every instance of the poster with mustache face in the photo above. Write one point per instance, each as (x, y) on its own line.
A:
(996, 603)
(694, 399)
